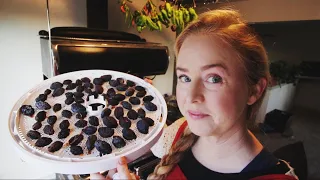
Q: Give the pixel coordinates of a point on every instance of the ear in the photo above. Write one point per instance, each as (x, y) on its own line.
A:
(257, 91)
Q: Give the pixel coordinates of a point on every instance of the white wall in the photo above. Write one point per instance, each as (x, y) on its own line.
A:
(20, 63)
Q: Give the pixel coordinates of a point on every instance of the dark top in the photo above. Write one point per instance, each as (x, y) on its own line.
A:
(263, 164)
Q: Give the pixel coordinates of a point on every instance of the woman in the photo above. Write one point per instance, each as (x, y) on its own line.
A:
(222, 71)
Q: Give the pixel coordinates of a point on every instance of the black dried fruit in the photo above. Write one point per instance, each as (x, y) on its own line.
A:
(81, 115)
(47, 92)
(149, 121)
(57, 107)
(103, 147)
(86, 80)
(66, 113)
(98, 81)
(79, 100)
(89, 130)
(128, 134)
(87, 90)
(58, 92)
(150, 106)
(27, 110)
(52, 119)
(132, 114)
(78, 94)
(112, 102)
(55, 146)
(75, 140)
(130, 83)
(81, 123)
(114, 83)
(69, 95)
(64, 133)
(76, 150)
(98, 89)
(124, 122)
(94, 94)
(147, 98)
(141, 93)
(64, 124)
(71, 86)
(90, 142)
(41, 97)
(134, 100)
(110, 122)
(139, 88)
(40, 116)
(80, 88)
(129, 92)
(78, 82)
(118, 112)
(43, 141)
(106, 112)
(111, 92)
(88, 85)
(43, 105)
(77, 108)
(33, 134)
(141, 113)
(94, 121)
(105, 132)
(126, 105)
(56, 85)
(36, 126)
(69, 100)
(67, 81)
(122, 87)
(119, 97)
(118, 142)
(120, 80)
(106, 78)
(48, 129)
(143, 126)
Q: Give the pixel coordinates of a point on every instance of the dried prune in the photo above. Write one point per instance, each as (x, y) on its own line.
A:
(27, 110)
(58, 92)
(120, 80)
(110, 122)
(98, 81)
(132, 114)
(71, 86)
(86, 80)
(149, 121)
(147, 98)
(79, 100)
(122, 87)
(76, 150)
(94, 94)
(129, 92)
(103, 147)
(52, 119)
(106, 112)
(118, 112)
(130, 83)
(143, 126)
(63, 133)
(48, 129)
(69, 100)
(87, 90)
(88, 85)
(77, 108)
(47, 92)
(55, 146)
(112, 102)
(67, 81)
(118, 142)
(36, 126)
(98, 89)
(33, 134)
(141, 93)
(134, 100)
(81, 123)
(43, 141)
(56, 107)
(90, 142)
(64, 124)
(69, 95)
(126, 105)
(81, 115)
(75, 140)
(43, 105)
(106, 78)
(56, 85)
(139, 88)
(94, 121)
(66, 113)
(41, 97)
(78, 94)
(78, 82)
(150, 106)
(111, 92)
(114, 83)
(119, 97)
(40, 116)
(80, 88)
(128, 134)
(124, 122)
(89, 130)
(141, 113)
(105, 132)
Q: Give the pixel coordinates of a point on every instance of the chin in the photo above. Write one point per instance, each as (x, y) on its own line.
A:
(201, 128)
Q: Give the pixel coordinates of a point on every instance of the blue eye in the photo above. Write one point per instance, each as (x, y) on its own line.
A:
(184, 78)
(214, 79)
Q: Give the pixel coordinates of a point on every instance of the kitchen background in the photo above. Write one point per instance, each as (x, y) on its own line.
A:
(21, 69)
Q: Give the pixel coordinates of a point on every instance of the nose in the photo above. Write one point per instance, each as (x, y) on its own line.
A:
(195, 92)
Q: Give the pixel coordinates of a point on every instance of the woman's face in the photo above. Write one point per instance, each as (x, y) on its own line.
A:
(212, 92)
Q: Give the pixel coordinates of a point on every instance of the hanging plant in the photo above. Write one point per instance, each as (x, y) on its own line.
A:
(151, 17)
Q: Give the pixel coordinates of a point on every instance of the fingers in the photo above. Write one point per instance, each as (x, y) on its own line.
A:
(122, 168)
(111, 173)
(97, 176)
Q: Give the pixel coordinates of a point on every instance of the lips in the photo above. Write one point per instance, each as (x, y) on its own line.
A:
(197, 115)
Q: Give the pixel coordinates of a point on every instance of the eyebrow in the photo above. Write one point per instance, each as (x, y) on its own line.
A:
(206, 67)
